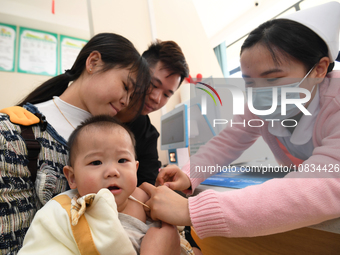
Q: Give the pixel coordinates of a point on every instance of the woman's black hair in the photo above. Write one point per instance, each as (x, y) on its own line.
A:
(291, 39)
(116, 52)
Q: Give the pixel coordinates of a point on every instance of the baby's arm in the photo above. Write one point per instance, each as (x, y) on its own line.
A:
(140, 194)
(134, 208)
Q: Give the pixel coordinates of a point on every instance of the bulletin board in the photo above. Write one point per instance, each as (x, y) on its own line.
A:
(69, 50)
(37, 53)
(8, 35)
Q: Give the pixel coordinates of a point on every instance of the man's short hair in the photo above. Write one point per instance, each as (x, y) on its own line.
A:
(170, 54)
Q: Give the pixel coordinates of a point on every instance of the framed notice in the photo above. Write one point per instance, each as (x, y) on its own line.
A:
(69, 50)
(37, 52)
(7, 47)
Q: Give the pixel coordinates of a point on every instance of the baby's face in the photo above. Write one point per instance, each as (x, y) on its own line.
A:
(105, 159)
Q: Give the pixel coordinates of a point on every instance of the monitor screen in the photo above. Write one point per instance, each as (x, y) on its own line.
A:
(174, 131)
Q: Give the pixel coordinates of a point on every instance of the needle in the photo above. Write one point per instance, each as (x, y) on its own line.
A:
(134, 199)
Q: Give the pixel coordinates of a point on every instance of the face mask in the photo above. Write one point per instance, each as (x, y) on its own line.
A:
(263, 100)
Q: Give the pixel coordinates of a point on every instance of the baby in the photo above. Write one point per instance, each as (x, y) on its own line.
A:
(102, 155)
(102, 163)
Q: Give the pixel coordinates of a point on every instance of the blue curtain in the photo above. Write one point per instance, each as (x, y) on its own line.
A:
(221, 54)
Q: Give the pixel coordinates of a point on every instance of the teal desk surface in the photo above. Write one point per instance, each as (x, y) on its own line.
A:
(242, 176)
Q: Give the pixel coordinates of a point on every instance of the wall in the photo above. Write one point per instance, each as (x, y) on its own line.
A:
(129, 18)
(37, 14)
(175, 20)
(178, 21)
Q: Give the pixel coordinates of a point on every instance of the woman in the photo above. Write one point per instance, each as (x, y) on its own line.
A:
(106, 74)
(298, 48)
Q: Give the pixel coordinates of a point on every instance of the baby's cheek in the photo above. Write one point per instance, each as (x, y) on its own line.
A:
(88, 186)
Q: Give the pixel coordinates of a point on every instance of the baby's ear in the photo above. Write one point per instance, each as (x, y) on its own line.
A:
(69, 174)
(137, 164)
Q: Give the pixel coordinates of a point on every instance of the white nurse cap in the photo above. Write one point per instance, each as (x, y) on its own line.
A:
(324, 20)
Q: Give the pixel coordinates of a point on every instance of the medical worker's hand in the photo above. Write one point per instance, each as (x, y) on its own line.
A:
(173, 177)
(166, 205)
(164, 240)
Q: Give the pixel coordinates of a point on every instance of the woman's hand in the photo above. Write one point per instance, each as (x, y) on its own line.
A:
(174, 178)
(166, 205)
(164, 240)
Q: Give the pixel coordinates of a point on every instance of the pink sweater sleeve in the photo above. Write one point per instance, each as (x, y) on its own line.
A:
(278, 205)
(275, 206)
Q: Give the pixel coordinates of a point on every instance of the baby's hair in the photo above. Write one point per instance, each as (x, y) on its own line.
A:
(99, 121)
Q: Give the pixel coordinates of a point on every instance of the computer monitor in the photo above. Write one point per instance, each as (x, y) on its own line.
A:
(174, 129)
(200, 128)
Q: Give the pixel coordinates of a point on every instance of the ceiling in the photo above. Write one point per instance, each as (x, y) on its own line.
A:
(214, 14)
(229, 20)
(217, 14)
(222, 20)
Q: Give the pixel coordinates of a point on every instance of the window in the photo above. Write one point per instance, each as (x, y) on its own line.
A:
(233, 57)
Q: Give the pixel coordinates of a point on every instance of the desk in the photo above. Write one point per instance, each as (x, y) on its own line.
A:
(322, 239)
(300, 241)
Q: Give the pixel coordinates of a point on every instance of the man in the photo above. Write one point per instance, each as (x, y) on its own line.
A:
(169, 68)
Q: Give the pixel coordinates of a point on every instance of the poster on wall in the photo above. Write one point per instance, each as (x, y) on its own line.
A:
(7, 47)
(69, 50)
(37, 52)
